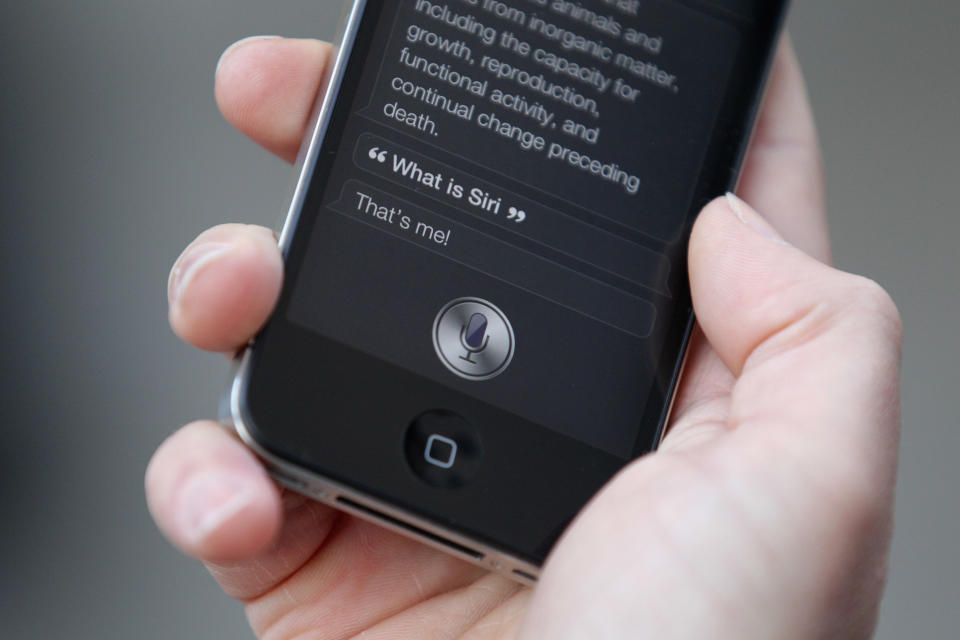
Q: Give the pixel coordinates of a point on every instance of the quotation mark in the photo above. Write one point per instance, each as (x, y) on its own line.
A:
(517, 215)
(376, 154)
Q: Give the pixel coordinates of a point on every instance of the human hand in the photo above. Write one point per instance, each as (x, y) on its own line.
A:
(765, 513)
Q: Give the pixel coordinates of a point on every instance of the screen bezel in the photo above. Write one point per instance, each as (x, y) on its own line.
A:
(289, 363)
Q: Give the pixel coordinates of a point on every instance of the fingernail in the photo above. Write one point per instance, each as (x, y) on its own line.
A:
(747, 216)
(210, 500)
(236, 45)
(190, 264)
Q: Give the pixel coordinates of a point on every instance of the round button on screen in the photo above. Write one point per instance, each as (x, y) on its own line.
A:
(443, 449)
(473, 338)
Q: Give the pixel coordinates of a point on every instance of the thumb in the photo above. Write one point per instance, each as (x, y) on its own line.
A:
(816, 350)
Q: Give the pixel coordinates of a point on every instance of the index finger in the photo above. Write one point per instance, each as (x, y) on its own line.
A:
(266, 87)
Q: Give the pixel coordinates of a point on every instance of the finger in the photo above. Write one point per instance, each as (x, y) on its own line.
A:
(266, 87)
(783, 170)
(816, 350)
(224, 286)
(210, 496)
(306, 526)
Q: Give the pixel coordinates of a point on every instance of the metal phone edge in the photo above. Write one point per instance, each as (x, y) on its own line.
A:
(330, 492)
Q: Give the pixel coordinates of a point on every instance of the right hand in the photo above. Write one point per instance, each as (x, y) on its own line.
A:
(765, 514)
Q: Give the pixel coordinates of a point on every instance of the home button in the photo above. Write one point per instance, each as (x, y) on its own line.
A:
(442, 448)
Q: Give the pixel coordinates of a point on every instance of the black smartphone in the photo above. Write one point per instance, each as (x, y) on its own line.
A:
(486, 308)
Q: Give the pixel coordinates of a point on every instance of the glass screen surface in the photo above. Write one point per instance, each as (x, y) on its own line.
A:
(505, 198)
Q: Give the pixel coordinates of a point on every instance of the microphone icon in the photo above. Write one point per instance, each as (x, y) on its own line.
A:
(473, 336)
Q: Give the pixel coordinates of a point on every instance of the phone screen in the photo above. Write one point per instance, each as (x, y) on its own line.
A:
(496, 224)
(540, 157)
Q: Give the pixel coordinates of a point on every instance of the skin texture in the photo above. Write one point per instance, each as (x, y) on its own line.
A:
(765, 514)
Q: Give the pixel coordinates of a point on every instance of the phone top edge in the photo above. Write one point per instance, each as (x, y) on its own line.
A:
(362, 505)
(320, 118)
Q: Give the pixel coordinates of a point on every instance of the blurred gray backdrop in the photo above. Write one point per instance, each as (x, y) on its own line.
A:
(114, 157)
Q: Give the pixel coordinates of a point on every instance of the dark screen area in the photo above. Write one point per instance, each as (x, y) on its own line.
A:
(542, 156)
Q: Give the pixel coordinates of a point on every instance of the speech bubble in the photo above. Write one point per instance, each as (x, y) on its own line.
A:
(573, 241)
(486, 254)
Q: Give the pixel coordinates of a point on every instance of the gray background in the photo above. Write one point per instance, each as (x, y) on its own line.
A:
(114, 157)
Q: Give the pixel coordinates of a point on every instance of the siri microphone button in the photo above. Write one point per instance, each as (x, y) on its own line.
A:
(473, 339)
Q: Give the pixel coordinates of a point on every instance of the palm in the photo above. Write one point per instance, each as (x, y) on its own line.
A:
(687, 520)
